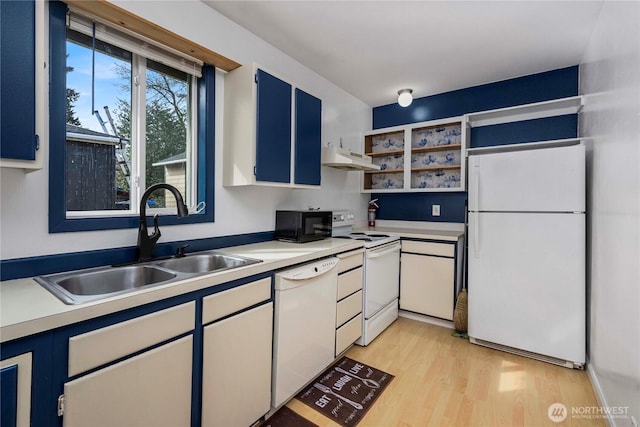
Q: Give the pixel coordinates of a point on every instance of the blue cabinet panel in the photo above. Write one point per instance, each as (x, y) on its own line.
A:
(308, 142)
(9, 393)
(43, 403)
(17, 80)
(273, 133)
(545, 129)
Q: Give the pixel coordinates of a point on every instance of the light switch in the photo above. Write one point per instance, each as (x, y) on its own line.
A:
(435, 210)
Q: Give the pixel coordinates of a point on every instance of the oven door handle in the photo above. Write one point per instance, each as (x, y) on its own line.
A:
(375, 253)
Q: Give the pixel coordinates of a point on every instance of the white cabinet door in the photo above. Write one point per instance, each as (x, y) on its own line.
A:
(272, 131)
(236, 383)
(427, 285)
(151, 389)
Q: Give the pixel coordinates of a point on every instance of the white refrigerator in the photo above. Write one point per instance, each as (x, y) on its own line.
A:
(526, 258)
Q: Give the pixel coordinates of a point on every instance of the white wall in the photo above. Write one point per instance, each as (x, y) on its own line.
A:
(24, 197)
(610, 79)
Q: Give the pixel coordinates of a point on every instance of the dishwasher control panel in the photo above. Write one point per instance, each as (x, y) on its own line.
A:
(310, 270)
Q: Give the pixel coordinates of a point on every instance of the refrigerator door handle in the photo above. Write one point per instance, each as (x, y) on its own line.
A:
(476, 186)
(476, 235)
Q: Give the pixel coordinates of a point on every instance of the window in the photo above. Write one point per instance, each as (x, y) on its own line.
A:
(125, 114)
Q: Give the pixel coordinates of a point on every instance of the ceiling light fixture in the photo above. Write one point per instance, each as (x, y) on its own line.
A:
(404, 97)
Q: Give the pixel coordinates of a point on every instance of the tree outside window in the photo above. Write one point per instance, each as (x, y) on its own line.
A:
(105, 169)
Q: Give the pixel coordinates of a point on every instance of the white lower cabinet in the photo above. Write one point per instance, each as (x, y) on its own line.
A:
(102, 346)
(236, 363)
(349, 300)
(348, 333)
(236, 384)
(151, 386)
(427, 278)
(150, 389)
(200, 359)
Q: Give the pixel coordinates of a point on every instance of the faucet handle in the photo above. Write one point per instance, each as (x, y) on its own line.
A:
(180, 251)
(156, 230)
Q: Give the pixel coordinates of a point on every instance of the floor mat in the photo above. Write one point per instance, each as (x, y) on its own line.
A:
(345, 391)
(286, 417)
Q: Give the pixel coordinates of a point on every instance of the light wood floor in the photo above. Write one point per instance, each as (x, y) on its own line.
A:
(441, 380)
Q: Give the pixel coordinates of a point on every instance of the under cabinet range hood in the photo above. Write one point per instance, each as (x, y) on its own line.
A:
(341, 158)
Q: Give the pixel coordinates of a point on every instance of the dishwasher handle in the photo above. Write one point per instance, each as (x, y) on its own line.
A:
(309, 271)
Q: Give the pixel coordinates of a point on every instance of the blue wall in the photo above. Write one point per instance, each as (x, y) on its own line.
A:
(561, 83)
(540, 87)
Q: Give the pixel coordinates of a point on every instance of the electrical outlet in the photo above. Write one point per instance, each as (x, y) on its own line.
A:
(435, 210)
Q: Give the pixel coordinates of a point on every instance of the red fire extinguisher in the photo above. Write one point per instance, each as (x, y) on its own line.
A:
(372, 212)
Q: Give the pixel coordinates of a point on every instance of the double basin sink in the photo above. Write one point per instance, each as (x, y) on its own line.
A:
(77, 287)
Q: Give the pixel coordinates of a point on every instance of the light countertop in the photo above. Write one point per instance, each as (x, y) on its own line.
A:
(27, 308)
(416, 233)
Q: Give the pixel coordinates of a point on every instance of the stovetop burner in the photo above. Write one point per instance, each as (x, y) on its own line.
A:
(368, 236)
(371, 240)
(342, 229)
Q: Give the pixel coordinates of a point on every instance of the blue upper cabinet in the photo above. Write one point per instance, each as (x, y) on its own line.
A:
(272, 131)
(307, 139)
(18, 139)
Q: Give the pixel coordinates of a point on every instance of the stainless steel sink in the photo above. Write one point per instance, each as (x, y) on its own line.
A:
(77, 287)
(205, 263)
(87, 285)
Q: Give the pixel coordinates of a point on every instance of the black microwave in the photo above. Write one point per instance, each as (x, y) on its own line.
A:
(303, 226)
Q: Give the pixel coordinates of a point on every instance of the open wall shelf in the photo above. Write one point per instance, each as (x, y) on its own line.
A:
(536, 110)
(426, 156)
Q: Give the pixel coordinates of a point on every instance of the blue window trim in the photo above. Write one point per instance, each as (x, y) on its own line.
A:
(58, 221)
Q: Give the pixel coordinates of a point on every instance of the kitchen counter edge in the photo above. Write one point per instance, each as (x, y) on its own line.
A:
(26, 308)
(416, 233)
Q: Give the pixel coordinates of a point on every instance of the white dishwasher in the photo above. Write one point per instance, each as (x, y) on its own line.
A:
(304, 325)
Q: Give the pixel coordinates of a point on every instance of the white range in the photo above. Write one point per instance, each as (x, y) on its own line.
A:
(381, 275)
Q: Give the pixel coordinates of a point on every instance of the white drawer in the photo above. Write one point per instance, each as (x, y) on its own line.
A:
(428, 248)
(101, 346)
(348, 307)
(224, 303)
(349, 260)
(348, 334)
(349, 282)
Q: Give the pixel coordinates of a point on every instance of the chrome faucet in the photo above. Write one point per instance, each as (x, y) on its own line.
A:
(147, 242)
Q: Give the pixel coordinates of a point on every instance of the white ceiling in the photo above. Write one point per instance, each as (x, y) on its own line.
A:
(372, 49)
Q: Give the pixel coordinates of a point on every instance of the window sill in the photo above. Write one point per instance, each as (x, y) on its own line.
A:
(132, 221)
